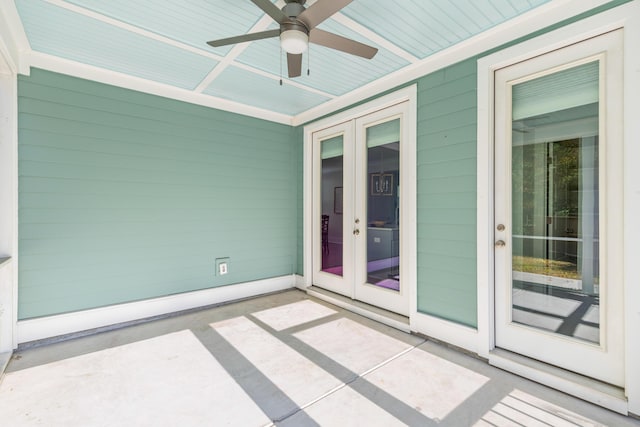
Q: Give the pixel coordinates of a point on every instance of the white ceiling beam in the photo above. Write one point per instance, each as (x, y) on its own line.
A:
(375, 37)
(261, 25)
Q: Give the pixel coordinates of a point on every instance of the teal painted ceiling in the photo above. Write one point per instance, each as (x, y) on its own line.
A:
(164, 41)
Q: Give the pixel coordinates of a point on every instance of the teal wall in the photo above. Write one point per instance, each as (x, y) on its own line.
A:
(126, 196)
(446, 201)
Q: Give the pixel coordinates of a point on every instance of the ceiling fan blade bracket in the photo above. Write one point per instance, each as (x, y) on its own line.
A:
(271, 10)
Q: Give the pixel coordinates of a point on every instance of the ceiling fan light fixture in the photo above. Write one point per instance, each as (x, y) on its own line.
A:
(294, 41)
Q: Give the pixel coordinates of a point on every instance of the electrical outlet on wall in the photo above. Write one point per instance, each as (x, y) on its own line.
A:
(222, 266)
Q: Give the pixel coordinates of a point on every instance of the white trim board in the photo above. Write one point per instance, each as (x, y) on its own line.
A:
(626, 16)
(52, 326)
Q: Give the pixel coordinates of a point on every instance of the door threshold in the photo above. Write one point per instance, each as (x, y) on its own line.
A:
(372, 312)
(585, 388)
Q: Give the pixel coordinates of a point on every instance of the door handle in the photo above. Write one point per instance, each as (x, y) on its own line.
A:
(500, 244)
(356, 232)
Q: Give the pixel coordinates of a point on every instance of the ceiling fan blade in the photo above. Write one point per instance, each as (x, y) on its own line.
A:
(271, 10)
(294, 64)
(320, 11)
(244, 38)
(334, 41)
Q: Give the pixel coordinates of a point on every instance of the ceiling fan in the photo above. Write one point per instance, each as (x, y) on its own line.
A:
(298, 29)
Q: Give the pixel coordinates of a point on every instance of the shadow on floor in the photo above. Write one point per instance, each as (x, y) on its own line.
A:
(285, 359)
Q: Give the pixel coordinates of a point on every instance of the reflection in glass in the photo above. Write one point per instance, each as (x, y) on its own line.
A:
(383, 205)
(555, 203)
(331, 199)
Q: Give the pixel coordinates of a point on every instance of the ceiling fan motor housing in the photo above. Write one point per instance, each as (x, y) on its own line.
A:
(293, 9)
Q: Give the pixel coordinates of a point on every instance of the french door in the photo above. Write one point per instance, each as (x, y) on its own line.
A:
(358, 215)
(558, 205)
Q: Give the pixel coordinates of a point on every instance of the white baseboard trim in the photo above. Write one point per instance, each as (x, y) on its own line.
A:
(576, 385)
(52, 326)
(446, 331)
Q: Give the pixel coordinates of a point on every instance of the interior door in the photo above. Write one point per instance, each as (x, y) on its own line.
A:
(378, 246)
(333, 215)
(357, 215)
(558, 204)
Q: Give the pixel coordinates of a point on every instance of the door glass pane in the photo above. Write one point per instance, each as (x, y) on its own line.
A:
(555, 203)
(383, 207)
(332, 201)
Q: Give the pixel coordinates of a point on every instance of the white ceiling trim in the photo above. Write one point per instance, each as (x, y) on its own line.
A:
(101, 75)
(374, 37)
(133, 29)
(520, 26)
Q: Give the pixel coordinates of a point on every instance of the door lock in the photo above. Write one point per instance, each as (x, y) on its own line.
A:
(500, 227)
(356, 232)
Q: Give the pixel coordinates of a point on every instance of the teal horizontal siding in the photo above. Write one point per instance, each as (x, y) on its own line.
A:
(126, 196)
(446, 157)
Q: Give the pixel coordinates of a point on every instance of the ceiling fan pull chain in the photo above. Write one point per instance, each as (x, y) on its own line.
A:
(280, 65)
(308, 62)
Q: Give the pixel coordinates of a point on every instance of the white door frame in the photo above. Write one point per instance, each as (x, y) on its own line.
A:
(408, 211)
(627, 17)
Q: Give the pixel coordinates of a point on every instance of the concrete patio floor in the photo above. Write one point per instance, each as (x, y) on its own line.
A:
(285, 359)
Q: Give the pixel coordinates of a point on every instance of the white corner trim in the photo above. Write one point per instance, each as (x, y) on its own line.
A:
(84, 71)
(453, 333)
(8, 211)
(51, 326)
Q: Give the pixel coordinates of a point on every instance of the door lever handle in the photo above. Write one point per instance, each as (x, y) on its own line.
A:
(500, 244)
